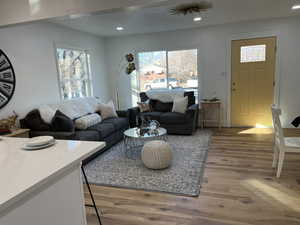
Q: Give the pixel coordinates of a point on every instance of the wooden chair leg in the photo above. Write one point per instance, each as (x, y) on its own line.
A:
(280, 163)
(275, 156)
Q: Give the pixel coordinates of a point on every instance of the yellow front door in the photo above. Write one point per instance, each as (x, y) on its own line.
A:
(252, 81)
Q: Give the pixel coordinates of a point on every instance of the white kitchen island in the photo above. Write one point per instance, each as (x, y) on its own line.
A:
(43, 187)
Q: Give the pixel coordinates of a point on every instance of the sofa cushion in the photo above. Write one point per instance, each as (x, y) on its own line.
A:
(153, 115)
(104, 129)
(34, 121)
(158, 106)
(172, 118)
(61, 122)
(87, 135)
(119, 123)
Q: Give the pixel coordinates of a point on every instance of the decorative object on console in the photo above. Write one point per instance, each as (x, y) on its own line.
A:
(214, 99)
(190, 8)
(9, 123)
(7, 79)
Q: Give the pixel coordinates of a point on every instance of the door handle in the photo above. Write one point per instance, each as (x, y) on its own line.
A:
(233, 89)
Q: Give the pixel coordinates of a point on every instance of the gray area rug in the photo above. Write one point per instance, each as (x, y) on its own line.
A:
(183, 177)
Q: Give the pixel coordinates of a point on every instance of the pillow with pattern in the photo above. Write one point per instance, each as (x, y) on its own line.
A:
(87, 121)
(144, 106)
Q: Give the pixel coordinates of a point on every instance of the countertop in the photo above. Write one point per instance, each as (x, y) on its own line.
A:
(22, 172)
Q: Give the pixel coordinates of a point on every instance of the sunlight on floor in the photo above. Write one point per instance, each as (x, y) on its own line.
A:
(280, 194)
(256, 130)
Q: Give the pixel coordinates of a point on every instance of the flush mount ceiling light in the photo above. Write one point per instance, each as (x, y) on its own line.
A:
(296, 7)
(119, 28)
(196, 19)
(190, 8)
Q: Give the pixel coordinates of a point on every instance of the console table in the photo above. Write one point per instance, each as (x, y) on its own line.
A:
(210, 109)
(24, 133)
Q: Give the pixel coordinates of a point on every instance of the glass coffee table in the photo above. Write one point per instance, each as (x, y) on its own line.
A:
(134, 140)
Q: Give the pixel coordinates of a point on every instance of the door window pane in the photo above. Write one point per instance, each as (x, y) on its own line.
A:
(253, 53)
(152, 68)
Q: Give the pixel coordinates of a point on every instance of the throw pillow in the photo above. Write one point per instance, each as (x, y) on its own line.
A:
(107, 110)
(61, 122)
(34, 121)
(87, 121)
(144, 106)
(180, 104)
(47, 113)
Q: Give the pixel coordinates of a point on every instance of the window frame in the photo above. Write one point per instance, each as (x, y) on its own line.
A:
(167, 64)
(89, 79)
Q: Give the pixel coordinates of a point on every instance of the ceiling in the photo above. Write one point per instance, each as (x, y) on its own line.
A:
(156, 18)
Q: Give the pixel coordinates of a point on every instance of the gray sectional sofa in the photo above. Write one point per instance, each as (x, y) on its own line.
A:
(109, 130)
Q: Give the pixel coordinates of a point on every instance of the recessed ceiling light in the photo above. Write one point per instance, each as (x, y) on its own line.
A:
(196, 19)
(295, 7)
(119, 28)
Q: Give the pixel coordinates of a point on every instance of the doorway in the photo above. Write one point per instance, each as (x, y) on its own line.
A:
(252, 81)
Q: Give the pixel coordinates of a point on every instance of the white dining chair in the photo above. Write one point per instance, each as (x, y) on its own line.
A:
(282, 144)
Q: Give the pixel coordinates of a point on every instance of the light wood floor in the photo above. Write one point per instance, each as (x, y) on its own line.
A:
(239, 188)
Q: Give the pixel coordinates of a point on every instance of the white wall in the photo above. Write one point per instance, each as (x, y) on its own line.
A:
(30, 49)
(214, 58)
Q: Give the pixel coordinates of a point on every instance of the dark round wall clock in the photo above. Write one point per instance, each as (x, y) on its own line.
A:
(7, 80)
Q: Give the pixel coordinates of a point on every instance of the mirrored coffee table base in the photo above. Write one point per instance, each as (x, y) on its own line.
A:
(134, 141)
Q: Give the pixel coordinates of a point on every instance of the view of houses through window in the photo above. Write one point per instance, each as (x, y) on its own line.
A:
(74, 73)
(167, 69)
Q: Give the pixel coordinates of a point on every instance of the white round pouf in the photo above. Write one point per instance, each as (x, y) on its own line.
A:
(157, 155)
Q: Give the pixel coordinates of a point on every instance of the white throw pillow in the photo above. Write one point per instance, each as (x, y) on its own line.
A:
(180, 104)
(47, 113)
(107, 110)
(87, 121)
(93, 102)
(82, 106)
(68, 108)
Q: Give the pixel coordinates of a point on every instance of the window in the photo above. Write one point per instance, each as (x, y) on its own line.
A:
(168, 69)
(152, 70)
(74, 73)
(253, 53)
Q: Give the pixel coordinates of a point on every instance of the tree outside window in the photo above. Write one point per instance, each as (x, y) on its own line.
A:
(74, 73)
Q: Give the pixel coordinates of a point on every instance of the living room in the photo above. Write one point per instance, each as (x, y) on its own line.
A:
(190, 160)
